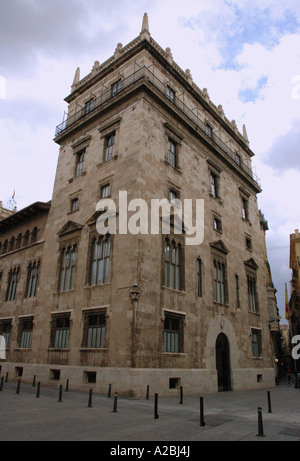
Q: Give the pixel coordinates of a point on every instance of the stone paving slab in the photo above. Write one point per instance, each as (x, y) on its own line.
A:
(228, 416)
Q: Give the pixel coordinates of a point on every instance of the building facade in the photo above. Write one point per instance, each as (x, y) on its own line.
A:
(294, 301)
(137, 308)
(274, 318)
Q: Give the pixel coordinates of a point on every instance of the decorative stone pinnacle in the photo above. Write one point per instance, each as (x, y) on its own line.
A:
(76, 78)
(145, 33)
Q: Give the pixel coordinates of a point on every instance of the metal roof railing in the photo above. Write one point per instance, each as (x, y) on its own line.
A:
(145, 73)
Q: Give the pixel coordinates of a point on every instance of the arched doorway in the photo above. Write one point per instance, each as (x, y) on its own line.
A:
(223, 362)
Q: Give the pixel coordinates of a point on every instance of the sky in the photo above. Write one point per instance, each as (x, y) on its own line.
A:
(245, 52)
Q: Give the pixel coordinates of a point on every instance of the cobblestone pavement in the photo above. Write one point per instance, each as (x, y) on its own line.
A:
(228, 416)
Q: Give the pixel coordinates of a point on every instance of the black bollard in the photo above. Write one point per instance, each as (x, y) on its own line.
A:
(269, 402)
(67, 386)
(90, 398)
(109, 391)
(156, 416)
(18, 387)
(1, 383)
(147, 392)
(33, 382)
(202, 423)
(6, 377)
(181, 396)
(260, 423)
(60, 394)
(115, 403)
(38, 389)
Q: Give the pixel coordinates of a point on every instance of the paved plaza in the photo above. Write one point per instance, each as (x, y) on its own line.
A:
(81, 416)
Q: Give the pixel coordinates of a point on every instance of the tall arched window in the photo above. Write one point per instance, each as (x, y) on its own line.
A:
(32, 279)
(13, 277)
(173, 271)
(34, 235)
(67, 268)
(100, 260)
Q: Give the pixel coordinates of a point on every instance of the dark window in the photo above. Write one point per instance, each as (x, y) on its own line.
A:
(26, 238)
(109, 149)
(174, 270)
(11, 244)
(252, 293)
(32, 279)
(18, 241)
(80, 157)
(67, 269)
(90, 377)
(34, 235)
(173, 333)
(245, 213)
(4, 248)
(5, 331)
(172, 153)
(256, 343)
(25, 332)
(208, 130)
(248, 243)
(18, 372)
(199, 277)
(214, 185)
(220, 281)
(74, 204)
(116, 87)
(95, 330)
(60, 331)
(237, 291)
(217, 224)
(174, 383)
(88, 107)
(105, 191)
(13, 277)
(100, 260)
(170, 94)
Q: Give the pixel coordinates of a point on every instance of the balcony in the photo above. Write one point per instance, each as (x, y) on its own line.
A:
(144, 75)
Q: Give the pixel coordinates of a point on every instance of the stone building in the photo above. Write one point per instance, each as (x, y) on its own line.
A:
(137, 308)
(294, 301)
(274, 318)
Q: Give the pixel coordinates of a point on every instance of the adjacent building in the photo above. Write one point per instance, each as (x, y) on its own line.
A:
(294, 301)
(274, 318)
(133, 307)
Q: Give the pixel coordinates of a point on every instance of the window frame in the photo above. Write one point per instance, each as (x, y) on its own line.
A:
(94, 339)
(256, 343)
(170, 93)
(172, 154)
(116, 87)
(67, 268)
(79, 162)
(173, 332)
(60, 334)
(173, 267)
(199, 268)
(220, 282)
(33, 271)
(100, 260)
(12, 283)
(88, 106)
(5, 330)
(252, 293)
(25, 332)
(109, 146)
